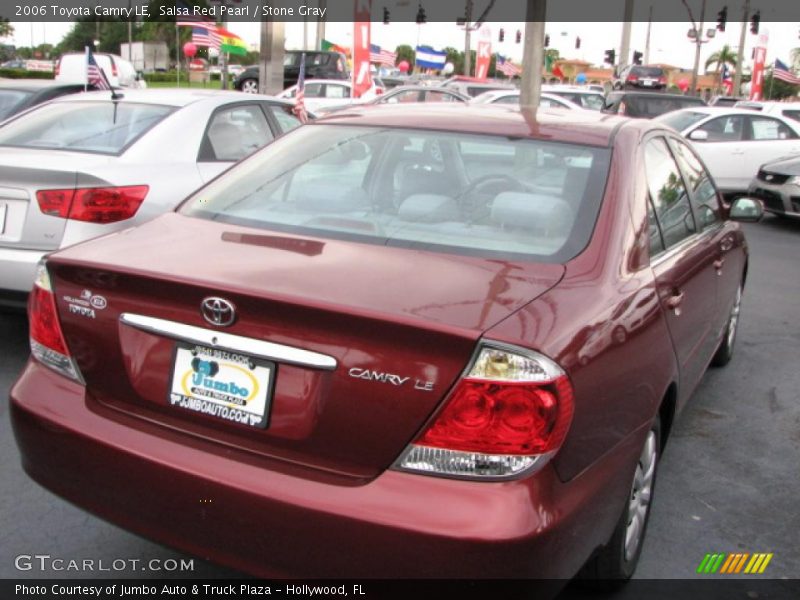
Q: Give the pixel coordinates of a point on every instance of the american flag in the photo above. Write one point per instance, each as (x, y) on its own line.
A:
(506, 67)
(299, 109)
(94, 74)
(205, 36)
(782, 72)
(382, 57)
(187, 18)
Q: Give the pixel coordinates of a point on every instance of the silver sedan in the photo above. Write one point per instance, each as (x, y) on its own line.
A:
(85, 165)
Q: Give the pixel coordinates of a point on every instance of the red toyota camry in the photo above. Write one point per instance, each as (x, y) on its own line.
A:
(409, 342)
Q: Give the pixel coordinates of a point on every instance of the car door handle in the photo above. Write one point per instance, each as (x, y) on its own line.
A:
(737, 151)
(674, 302)
(718, 265)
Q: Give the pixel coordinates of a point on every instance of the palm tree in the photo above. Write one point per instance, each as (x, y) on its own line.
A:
(795, 56)
(725, 56)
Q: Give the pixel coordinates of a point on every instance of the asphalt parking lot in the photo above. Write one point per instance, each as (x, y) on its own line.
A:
(728, 481)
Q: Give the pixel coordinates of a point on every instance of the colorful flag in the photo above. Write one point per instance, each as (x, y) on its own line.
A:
(727, 80)
(299, 109)
(381, 57)
(782, 72)
(231, 43)
(558, 72)
(331, 47)
(506, 67)
(428, 58)
(205, 36)
(95, 76)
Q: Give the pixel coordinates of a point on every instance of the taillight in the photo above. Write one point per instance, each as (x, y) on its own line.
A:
(662, 80)
(508, 415)
(622, 108)
(94, 205)
(633, 78)
(113, 68)
(46, 338)
(57, 68)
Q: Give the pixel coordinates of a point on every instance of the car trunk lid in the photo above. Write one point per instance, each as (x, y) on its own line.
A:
(399, 325)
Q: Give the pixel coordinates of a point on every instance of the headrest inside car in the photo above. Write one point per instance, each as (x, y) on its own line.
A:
(428, 208)
(325, 197)
(531, 211)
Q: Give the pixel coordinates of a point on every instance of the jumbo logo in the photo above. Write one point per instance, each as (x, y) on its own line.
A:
(220, 380)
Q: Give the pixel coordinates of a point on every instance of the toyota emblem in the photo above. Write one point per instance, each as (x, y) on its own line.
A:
(218, 311)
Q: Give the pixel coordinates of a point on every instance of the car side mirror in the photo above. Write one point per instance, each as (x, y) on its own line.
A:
(698, 135)
(746, 210)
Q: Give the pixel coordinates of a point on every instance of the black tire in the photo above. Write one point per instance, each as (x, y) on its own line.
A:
(724, 352)
(616, 562)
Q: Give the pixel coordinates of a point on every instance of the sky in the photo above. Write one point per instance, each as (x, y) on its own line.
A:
(668, 41)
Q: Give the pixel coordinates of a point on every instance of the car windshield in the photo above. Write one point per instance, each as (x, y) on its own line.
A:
(461, 193)
(682, 119)
(102, 127)
(9, 99)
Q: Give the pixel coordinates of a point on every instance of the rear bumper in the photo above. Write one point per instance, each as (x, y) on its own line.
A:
(217, 504)
(18, 269)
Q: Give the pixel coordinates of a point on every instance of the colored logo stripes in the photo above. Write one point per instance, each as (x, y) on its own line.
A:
(734, 563)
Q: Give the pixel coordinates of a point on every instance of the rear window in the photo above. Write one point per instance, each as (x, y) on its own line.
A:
(647, 71)
(9, 100)
(101, 127)
(653, 106)
(468, 194)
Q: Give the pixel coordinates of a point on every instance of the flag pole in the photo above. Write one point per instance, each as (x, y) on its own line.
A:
(771, 82)
(86, 69)
(178, 54)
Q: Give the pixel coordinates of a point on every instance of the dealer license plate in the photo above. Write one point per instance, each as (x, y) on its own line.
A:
(226, 385)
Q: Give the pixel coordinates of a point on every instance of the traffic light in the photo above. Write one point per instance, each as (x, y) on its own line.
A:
(546, 40)
(637, 57)
(385, 16)
(519, 36)
(501, 35)
(754, 21)
(577, 43)
(722, 18)
(421, 16)
(611, 56)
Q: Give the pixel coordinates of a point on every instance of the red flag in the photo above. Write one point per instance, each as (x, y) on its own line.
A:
(362, 81)
(558, 72)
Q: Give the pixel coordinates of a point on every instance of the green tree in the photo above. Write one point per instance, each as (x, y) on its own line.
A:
(776, 89)
(794, 55)
(725, 56)
(405, 52)
(6, 28)
(456, 57)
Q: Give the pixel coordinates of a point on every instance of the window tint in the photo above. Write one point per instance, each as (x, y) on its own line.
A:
(10, 99)
(403, 97)
(724, 129)
(667, 193)
(791, 114)
(336, 91)
(703, 194)
(656, 241)
(235, 132)
(507, 100)
(440, 97)
(764, 128)
(283, 115)
(83, 126)
(471, 194)
(312, 90)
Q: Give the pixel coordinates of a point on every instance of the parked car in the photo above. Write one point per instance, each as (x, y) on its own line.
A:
(546, 99)
(366, 336)
(322, 93)
(583, 97)
(641, 76)
(71, 68)
(724, 101)
(319, 65)
(734, 143)
(84, 165)
(472, 87)
(647, 105)
(790, 110)
(407, 94)
(17, 95)
(777, 185)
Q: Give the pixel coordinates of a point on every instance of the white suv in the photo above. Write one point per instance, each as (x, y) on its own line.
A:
(71, 68)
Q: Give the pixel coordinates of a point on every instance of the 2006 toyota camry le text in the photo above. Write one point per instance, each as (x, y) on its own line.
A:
(397, 342)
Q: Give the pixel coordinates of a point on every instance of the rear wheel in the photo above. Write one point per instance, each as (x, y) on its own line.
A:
(725, 351)
(249, 86)
(617, 561)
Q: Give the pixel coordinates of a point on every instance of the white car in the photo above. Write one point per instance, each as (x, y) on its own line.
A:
(546, 99)
(84, 165)
(321, 93)
(733, 142)
(71, 68)
(790, 110)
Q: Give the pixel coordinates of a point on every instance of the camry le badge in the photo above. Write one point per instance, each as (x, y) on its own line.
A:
(218, 311)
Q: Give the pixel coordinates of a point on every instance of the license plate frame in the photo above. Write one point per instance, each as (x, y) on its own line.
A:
(227, 386)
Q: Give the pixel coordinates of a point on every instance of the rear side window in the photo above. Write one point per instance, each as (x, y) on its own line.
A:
(101, 127)
(765, 129)
(703, 194)
(724, 129)
(793, 114)
(235, 132)
(460, 193)
(671, 207)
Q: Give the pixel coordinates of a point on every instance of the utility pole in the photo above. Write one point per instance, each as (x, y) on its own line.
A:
(467, 43)
(647, 40)
(321, 25)
(533, 53)
(270, 65)
(698, 43)
(737, 78)
(625, 45)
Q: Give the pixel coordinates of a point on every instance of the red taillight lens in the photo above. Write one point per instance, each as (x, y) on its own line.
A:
(46, 337)
(510, 413)
(44, 325)
(113, 68)
(632, 78)
(94, 205)
(503, 418)
(662, 80)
